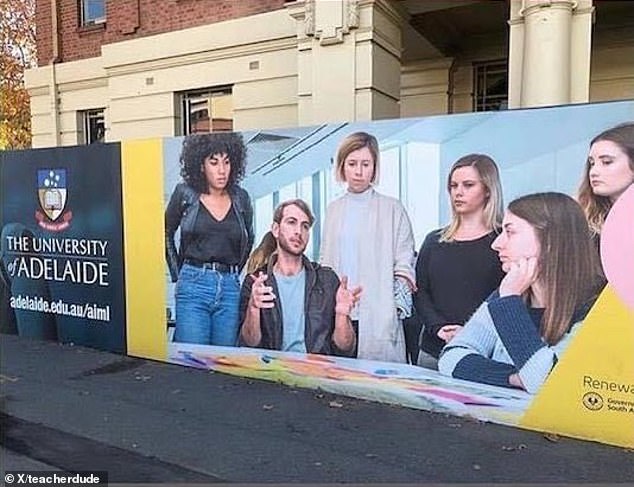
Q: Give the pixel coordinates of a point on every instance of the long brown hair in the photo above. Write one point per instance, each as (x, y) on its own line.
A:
(262, 253)
(568, 263)
(596, 207)
(490, 178)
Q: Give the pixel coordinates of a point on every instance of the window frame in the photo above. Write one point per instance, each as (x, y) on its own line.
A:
(84, 21)
(86, 116)
(185, 99)
(481, 100)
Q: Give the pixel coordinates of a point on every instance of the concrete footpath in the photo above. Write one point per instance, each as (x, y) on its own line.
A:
(76, 409)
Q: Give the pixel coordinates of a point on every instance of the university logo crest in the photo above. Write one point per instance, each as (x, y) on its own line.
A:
(52, 194)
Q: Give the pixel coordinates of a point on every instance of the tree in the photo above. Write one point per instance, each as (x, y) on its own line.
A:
(17, 53)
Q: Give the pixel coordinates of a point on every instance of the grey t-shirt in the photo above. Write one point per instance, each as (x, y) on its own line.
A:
(291, 296)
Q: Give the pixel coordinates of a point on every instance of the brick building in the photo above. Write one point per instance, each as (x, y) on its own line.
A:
(120, 69)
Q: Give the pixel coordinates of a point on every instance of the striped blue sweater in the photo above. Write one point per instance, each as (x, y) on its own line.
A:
(500, 339)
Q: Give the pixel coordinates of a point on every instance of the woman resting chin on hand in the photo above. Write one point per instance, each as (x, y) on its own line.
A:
(516, 336)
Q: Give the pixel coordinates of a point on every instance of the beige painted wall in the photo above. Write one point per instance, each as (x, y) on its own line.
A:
(425, 83)
(425, 87)
(302, 77)
(612, 74)
(150, 72)
(347, 68)
(137, 81)
(80, 85)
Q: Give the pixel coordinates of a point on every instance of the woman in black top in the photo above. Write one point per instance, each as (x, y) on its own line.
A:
(456, 267)
(215, 217)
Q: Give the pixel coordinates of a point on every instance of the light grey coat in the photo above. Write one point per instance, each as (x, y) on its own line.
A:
(387, 251)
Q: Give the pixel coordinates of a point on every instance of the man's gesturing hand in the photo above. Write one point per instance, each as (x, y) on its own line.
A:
(346, 298)
(261, 295)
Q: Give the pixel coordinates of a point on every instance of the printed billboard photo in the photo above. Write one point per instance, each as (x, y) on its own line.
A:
(450, 263)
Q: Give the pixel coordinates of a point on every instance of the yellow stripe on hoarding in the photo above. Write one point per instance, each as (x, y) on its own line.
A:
(143, 207)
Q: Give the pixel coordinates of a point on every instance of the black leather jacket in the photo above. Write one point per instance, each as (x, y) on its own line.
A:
(182, 210)
(319, 310)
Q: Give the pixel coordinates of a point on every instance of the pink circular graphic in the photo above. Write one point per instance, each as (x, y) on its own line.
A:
(617, 247)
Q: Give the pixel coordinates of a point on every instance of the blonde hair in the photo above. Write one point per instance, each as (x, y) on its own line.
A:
(351, 143)
(596, 207)
(568, 264)
(262, 253)
(490, 178)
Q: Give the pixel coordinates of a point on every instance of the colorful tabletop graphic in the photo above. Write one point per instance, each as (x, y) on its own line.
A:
(401, 384)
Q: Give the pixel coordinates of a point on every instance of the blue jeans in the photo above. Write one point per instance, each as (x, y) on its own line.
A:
(207, 304)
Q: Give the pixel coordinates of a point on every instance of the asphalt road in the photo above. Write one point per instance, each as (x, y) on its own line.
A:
(76, 409)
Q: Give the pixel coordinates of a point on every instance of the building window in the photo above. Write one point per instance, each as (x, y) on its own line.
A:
(208, 110)
(92, 11)
(93, 126)
(490, 86)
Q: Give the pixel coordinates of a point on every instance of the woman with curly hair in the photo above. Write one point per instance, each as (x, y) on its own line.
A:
(608, 173)
(215, 217)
